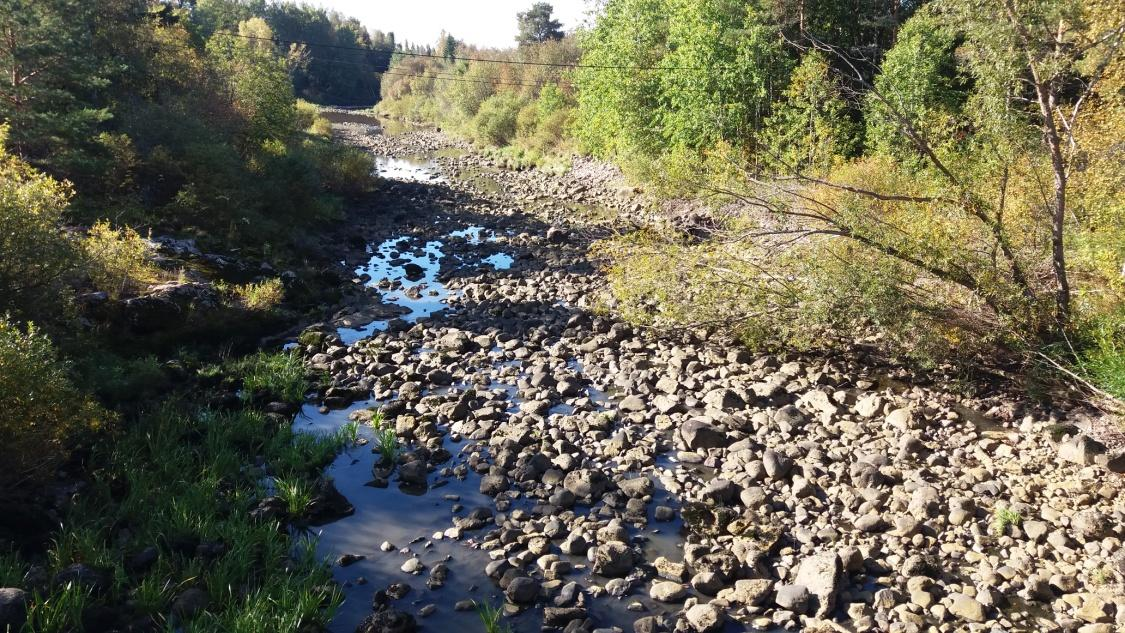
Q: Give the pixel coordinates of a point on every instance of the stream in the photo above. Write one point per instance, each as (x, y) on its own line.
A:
(407, 271)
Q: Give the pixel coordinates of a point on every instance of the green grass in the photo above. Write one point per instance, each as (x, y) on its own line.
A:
(281, 375)
(1002, 519)
(297, 493)
(349, 432)
(61, 612)
(491, 616)
(187, 477)
(386, 442)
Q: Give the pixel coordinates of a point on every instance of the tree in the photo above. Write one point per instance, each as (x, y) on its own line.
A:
(537, 26)
(51, 76)
(812, 128)
(448, 45)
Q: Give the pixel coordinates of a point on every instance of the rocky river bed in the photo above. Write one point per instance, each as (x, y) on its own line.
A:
(581, 474)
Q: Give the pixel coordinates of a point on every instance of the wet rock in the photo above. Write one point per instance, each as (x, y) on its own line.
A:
(327, 504)
(559, 617)
(522, 590)
(13, 608)
(388, 621)
(413, 473)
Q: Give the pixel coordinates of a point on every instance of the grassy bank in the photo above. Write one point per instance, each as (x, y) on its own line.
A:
(161, 531)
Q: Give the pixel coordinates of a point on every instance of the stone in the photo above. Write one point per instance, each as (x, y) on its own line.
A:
(1095, 609)
(698, 435)
(13, 608)
(1081, 449)
(966, 608)
(493, 485)
(821, 575)
(749, 592)
(667, 591)
(522, 590)
(586, 483)
(613, 560)
(704, 618)
(388, 621)
(413, 473)
(794, 598)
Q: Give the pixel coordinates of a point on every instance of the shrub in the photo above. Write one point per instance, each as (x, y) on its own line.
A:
(40, 410)
(262, 296)
(117, 259)
(495, 122)
(35, 255)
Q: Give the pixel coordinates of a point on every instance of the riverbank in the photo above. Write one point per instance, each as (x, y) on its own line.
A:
(577, 472)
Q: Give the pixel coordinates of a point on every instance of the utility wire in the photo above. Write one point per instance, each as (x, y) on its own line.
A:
(472, 59)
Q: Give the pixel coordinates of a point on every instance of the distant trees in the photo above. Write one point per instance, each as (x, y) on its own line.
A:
(536, 25)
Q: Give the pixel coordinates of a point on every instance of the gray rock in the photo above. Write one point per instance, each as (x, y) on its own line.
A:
(493, 485)
(13, 608)
(522, 590)
(966, 608)
(613, 560)
(698, 435)
(821, 575)
(705, 618)
(586, 483)
(795, 598)
(667, 591)
(1081, 449)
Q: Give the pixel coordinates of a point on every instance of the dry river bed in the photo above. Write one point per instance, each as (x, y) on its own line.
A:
(580, 474)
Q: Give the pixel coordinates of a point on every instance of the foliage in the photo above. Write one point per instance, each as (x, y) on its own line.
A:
(117, 260)
(386, 442)
(279, 375)
(262, 296)
(35, 253)
(526, 106)
(178, 478)
(490, 617)
(921, 82)
(812, 128)
(41, 412)
(537, 26)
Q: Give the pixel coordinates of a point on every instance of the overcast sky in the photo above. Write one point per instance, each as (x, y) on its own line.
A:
(482, 22)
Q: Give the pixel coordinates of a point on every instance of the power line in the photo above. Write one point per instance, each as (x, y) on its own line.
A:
(473, 59)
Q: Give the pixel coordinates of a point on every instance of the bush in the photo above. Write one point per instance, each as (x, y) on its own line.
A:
(35, 254)
(40, 410)
(117, 259)
(495, 122)
(261, 297)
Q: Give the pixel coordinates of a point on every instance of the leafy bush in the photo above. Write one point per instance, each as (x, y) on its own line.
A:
(40, 410)
(495, 122)
(261, 296)
(35, 254)
(117, 260)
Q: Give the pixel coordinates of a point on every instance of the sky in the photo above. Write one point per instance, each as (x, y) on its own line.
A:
(490, 23)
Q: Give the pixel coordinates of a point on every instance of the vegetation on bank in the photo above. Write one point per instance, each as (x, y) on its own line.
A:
(943, 175)
(126, 126)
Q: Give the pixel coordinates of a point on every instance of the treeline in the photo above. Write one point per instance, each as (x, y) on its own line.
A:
(942, 173)
(333, 59)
